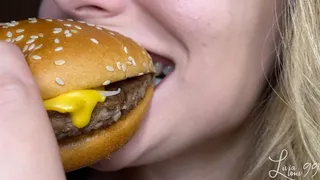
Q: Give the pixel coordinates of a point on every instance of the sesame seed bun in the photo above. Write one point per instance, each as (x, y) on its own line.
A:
(67, 55)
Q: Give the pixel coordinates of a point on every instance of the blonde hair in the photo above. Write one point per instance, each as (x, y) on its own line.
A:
(290, 121)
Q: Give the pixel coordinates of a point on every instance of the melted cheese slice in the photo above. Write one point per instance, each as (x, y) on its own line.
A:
(79, 104)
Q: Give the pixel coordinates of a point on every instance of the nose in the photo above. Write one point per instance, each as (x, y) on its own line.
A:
(87, 9)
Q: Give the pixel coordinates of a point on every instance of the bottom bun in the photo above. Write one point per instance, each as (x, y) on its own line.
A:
(87, 149)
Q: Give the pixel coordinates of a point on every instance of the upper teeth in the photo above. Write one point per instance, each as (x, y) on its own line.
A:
(167, 70)
(161, 68)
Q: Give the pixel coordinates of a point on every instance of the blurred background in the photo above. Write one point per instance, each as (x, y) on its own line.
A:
(21, 9)
(18, 9)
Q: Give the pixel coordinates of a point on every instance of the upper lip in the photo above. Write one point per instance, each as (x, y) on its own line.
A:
(161, 59)
(154, 52)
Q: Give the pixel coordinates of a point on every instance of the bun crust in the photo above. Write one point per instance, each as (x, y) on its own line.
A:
(87, 149)
(66, 55)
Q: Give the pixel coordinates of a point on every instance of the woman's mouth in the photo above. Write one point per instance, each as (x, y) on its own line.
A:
(163, 66)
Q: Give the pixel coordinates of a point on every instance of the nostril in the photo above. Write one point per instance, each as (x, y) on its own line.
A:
(86, 9)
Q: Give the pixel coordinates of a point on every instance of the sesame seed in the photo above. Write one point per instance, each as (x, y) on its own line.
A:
(31, 47)
(49, 20)
(140, 74)
(144, 52)
(107, 82)
(34, 37)
(14, 22)
(58, 49)
(125, 50)
(8, 40)
(59, 20)
(30, 41)
(59, 81)
(90, 24)
(9, 34)
(124, 67)
(59, 62)
(56, 40)
(5, 27)
(94, 40)
(68, 35)
(57, 30)
(129, 62)
(25, 48)
(10, 24)
(99, 28)
(110, 68)
(38, 47)
(33, 21)
(119, 65)
(149, 56)
(67, 25)
(19, 30)
(78, 27)
(73, 31)
(66, 32)
(82, 22)
(40, 35)
(69, 19)
(19, 37)
(36, 57)
(144, 64)
(112, 33)
(132, 60)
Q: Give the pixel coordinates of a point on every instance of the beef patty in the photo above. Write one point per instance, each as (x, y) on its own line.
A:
(106, 113)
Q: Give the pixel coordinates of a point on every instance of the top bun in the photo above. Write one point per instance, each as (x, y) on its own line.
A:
(67, 55)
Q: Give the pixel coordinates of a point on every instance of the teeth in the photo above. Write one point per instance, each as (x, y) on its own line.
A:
(157, 81)
(167, 70)
(161, 70)
(159, 67)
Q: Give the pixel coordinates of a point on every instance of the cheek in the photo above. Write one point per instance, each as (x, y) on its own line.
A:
(191, 22)
(226, 66)
(49, 9)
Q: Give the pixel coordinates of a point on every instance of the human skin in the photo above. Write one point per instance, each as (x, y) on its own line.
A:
(222, 51)
(28, 146)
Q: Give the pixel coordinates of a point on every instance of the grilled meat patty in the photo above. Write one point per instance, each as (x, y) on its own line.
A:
(106, 113)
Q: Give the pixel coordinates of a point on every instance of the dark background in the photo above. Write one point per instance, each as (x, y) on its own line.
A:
(18, 9)
(22, 9)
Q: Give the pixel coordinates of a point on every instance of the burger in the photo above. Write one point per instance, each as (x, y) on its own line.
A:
(96, 84)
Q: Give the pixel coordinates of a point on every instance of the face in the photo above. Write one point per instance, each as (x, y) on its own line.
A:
(220, 50)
